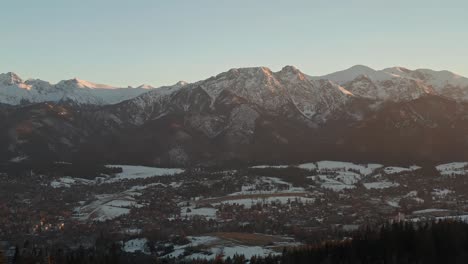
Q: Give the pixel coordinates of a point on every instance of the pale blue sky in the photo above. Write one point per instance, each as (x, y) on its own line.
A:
(160, 42)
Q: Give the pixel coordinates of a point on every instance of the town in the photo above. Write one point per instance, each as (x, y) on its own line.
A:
(194, 213)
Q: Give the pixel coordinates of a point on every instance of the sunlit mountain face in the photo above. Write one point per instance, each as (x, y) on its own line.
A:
(242, 116)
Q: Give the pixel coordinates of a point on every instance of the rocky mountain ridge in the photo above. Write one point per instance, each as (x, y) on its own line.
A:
(251, 115)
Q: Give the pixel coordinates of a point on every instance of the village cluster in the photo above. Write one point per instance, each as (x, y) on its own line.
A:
(201, 213)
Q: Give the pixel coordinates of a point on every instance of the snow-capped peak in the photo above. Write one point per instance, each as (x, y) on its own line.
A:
(399, 83)
(285, 90)
(289, 68)
(145, 86)
(181, 83)
(14, 91)
(78, 83)
(352, 73)
(257, 84)
(248, 72)
(10, 78)
(292, 72)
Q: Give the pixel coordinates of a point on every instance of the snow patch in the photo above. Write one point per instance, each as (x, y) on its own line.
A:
(394, 170)
(380, 185)
(141, 172)
(136, 245)
(453, 169)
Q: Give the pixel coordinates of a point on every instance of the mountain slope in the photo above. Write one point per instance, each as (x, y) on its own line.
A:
(282, 92)
(246, 115)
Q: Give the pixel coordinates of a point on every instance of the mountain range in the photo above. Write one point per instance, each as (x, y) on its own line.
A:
(14, 91)
(245, 115)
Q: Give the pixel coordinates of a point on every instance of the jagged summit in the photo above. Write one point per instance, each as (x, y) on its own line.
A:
(248, 71)
(289, 68)
(10, 78)
(393, 83)
(291, 73)
(262, 70)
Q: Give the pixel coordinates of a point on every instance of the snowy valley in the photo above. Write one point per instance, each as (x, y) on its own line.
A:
(256, 210)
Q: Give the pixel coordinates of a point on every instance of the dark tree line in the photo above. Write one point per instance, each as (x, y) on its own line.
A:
(441, 242)
(399, 243)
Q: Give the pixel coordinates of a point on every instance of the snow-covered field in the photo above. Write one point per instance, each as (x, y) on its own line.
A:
(135, 245)
(191, 211)
(338, 175)
(462, 218)
(211, 246)
(395, 202)
(270, 167)
(19, 159)
(337, 180)
(67, 182)
(108, 206)
(364, 169)
(394, 170)
(230, 251)
(265, 185)
(440, 193)
(249, 202)
(308, 166)
(141, 172)
(453, 169)
(430, 210)
(128, 173)
(327, 182)
(380, 185)
(327, 165)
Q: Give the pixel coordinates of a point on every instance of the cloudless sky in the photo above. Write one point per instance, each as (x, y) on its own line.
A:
(130, 42)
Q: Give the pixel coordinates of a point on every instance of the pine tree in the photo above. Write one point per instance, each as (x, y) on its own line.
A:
(2, 258)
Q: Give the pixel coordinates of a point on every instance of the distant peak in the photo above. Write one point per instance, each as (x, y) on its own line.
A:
(290, 68)
(37, 82)
(446, 72)
(10, 78)
(341, 77)
(251, 70)
(145, 86)
(181, 83)
(362, 68)
(11, 74)
(79, 83)
(291, 73)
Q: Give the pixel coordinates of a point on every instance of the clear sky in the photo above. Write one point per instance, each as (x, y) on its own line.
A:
(130, 42)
